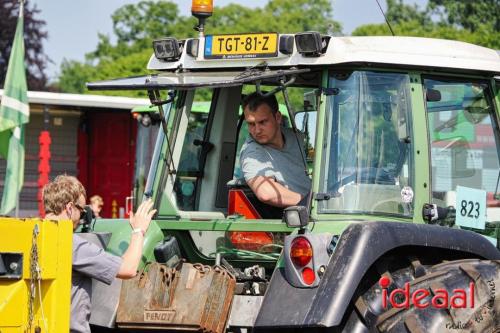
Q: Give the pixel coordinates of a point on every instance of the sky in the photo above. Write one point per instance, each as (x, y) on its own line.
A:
(73, 25)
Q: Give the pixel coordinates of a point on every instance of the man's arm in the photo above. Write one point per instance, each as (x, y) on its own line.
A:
(132, 257)
(273, 193)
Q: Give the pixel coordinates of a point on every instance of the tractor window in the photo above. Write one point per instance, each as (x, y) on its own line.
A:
(148, 126)
(194, 150)
(367, 162)
(464, 148)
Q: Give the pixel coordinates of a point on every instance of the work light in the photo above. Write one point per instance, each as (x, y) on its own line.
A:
(309, 43)
(167, 49)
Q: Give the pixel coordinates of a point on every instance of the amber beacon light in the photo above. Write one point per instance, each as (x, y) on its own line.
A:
(202, 8)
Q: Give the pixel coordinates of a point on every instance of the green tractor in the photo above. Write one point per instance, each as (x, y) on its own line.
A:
(401, 229)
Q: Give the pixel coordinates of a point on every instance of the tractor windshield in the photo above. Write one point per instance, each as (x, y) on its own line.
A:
(368, 151)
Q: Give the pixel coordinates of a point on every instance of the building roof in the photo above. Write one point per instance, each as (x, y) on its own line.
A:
(81, 100)
(405, 51)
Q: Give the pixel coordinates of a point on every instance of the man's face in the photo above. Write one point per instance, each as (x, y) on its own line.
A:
(263, 126)
(75, 209)
(96, 207)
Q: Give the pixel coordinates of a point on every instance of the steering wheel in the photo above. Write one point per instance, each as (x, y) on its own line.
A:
(368, 175)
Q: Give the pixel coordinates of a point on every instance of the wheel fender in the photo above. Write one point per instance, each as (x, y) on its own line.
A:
(359, 246)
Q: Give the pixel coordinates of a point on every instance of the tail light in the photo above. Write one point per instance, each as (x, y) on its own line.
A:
(306, 258)
(308, 275)
(301, 252)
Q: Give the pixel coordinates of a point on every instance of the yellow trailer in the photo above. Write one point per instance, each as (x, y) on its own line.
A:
(35, 275)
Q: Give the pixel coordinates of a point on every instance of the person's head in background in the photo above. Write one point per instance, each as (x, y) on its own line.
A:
(96, 204)
(64, 199)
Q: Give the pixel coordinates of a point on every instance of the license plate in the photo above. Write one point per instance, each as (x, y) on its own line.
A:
(259, 45)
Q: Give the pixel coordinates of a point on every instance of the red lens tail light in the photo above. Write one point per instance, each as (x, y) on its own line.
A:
(308, 275)
(301, 251)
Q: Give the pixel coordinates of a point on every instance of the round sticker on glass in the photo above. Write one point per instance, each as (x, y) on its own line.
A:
(407, 194)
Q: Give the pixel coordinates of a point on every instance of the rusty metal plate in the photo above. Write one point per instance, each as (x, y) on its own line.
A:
(194, 298)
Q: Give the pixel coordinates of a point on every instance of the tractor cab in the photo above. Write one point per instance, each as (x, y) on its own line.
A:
(355, 111)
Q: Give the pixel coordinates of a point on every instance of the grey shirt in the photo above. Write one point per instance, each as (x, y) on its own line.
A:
(285, 165)
(89, 262)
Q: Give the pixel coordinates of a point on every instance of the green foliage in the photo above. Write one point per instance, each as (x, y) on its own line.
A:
(74, 75)
(35, 32)
(137, 25)
(469, 21)
(398, 12)
(471, 15)
(299, 15)
(145, 20)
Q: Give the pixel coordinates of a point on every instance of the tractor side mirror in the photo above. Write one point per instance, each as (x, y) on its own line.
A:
(432, 95)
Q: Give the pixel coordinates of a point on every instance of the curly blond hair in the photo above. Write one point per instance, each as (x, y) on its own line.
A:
(96, 199)
(59, 192)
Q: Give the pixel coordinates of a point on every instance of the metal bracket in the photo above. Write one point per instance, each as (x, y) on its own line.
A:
(155, 98)
(321, 196)
(330, 91)
(283, 85)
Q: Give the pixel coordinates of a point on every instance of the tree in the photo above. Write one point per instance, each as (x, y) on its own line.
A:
(469, 21)
(34, 34)
(470, 15)
(137, 25)
(398, 12)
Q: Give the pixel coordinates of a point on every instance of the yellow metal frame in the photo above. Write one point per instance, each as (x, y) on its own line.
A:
(54, 242)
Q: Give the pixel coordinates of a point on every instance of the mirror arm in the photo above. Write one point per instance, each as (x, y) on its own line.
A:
(155, 99)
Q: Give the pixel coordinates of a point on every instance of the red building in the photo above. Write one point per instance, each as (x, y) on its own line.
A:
(93, 138)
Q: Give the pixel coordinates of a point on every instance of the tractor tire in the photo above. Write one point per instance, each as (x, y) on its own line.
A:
(483, 316)
(369, 315)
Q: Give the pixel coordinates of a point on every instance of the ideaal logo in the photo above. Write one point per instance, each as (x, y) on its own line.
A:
(441, 299)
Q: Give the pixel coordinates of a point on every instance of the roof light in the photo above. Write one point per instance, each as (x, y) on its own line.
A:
(192, 47)
(301, 251)
(309, 43)
(286, 44)
(202, 8)
(167, 49)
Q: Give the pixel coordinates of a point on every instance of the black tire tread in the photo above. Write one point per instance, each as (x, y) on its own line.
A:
(447, 275)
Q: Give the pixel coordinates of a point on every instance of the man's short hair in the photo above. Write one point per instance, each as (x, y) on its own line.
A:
(96, 199)
(256, 99)
(59, 192)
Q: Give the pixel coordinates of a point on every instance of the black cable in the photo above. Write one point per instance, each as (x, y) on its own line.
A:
(386, 20)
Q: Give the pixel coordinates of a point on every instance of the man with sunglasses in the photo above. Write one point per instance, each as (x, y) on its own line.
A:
(64, 199)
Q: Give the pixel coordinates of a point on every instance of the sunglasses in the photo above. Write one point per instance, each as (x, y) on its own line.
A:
(82, 210)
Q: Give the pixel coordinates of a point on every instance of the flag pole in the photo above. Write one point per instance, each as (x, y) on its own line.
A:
(19, 160)
(18, 193)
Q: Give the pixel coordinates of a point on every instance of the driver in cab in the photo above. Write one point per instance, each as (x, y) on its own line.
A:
(270, 159)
